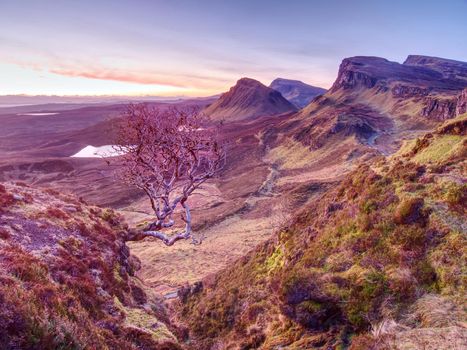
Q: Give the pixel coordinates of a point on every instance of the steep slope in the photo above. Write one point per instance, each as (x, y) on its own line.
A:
(67, 278)
(297, 92)
(248, 99)
(383, 251)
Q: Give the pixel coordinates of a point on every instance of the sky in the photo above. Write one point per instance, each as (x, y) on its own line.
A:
(201, 47)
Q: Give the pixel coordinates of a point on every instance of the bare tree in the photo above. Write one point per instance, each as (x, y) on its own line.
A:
(168, 154)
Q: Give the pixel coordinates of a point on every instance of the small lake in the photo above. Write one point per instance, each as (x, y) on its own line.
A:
(97, 152)
(39, 114)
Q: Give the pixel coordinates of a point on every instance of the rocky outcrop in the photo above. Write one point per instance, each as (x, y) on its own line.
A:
(406, 91)
(351, 74)
(439, 108)
(248, 99)
(461, 106)
(297, 92)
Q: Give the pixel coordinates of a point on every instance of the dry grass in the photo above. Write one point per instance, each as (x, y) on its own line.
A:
(433, 310)
(291, 154)
(440, 149)
(224, 243)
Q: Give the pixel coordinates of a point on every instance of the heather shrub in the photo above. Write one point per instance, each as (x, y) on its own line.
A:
(57, 213)
(409, 237)
(6, 200)
(4, 234)
(456, 194)
(409, 211)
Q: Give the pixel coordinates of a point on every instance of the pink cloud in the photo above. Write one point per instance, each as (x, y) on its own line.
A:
(116, 75)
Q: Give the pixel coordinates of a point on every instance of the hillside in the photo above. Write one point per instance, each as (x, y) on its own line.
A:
(377, 262)
(248, 98)
(295, 91)
(382, 102)
(67, 278)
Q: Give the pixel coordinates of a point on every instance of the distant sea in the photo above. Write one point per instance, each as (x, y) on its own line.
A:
(15, 105)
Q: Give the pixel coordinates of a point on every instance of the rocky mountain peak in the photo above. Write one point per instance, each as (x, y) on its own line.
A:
(246, 99)
(357, 71)
(296, 91)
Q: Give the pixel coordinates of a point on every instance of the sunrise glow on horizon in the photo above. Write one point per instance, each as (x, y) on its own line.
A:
(191, 48)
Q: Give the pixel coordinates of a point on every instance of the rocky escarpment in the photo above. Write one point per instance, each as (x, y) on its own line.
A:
(461, 106)
(248, 99)
(407, 91)
(67, 279)
(297, 92)
(351, 75)
(439, 108)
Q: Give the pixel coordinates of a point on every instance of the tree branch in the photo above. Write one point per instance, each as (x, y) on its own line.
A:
(168, 154)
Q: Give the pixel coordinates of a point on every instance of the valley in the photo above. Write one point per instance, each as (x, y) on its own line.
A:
(304, 239)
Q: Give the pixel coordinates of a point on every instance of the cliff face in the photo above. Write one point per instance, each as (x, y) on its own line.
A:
(461, 106)
(248, 99)
(424, 74)
(442, 108)
(439, 108)
(353, 72)
(381, 251)
(404, 91)
(67, 277)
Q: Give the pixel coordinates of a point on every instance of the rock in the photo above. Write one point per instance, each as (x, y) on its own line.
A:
(350, 75)
(424, 74)
(70, 209)
(188, 290)
(18, 197)
(439, 108)
(406, 91)
(461, 106)
(138, 294)
(455, 127)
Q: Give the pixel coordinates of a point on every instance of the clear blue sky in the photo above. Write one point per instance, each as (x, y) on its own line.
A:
(201, 47)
